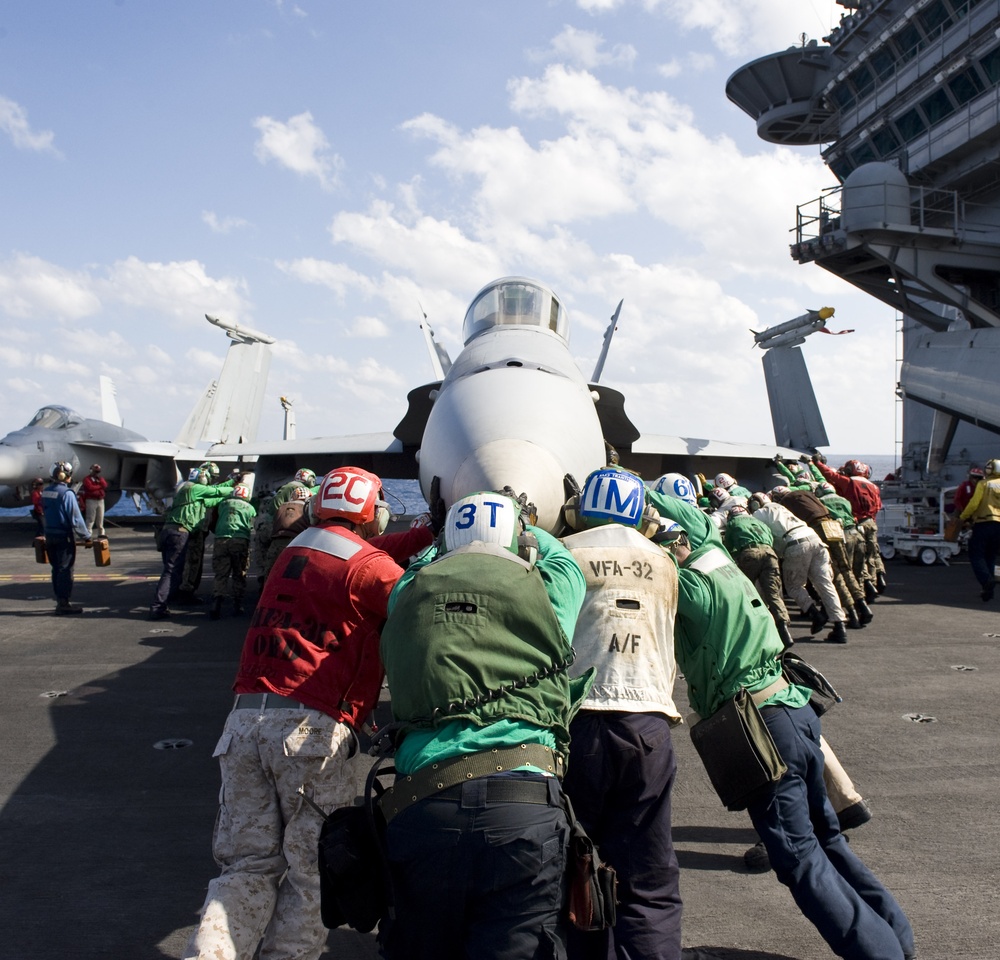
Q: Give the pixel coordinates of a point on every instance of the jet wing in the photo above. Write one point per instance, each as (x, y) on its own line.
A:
(382, 453)
(135, 448)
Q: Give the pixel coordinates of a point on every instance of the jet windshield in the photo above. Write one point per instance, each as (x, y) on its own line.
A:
(54, 418)
(515, 301)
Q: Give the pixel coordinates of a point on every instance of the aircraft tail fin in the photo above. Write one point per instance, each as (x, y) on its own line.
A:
(229, 410)
(109, 406)
(440, 361)
(795, 413)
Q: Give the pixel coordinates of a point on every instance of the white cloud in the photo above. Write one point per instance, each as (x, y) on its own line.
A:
(223, 225)
(300, 146)
(33, 289)
(366, 327)
(14, 122)
(584, 48)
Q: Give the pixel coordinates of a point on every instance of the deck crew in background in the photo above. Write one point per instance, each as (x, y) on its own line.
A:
(37, 514)
(476, 651)
(308, 676)
(186, 594)
(751, 544)
(866, 501)
(63, 524)
(854, 540)
(290, 519)
(965, 490)
(91, 495)
(796, 473)
(191, 503)
(622, 764)
(231, 550)
(808, 507)
(726, 641)
(304, 480)
(984, 544)
(804, 558)
(729, 484)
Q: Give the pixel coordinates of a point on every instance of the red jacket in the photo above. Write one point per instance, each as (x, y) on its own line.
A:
(315, 632)
(92, 488)
(964, 494)
(865, 499)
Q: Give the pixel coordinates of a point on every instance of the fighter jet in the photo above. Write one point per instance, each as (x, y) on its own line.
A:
(229, 409)
(513, 409)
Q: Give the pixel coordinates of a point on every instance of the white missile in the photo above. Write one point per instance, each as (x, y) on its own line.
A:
(242, 334)
(792, 332)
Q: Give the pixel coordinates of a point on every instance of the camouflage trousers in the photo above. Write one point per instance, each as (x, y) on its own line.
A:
(809, 560)
(266, 835)
(873, 556)
(760, 564)
(230, 565)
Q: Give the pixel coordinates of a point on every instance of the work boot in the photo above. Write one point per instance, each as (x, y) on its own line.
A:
(856, 815)
(818, 617)
(216, 610)
(865, 614)
(871, 592)
(786, 635)
(880, 583)
(64, 606)
(838, 634)
(853, 622)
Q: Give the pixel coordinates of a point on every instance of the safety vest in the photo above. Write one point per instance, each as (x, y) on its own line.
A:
(474, 637)
(626, 627)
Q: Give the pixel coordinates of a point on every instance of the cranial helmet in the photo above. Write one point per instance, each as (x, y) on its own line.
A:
(669, 533)
(779, 491)
(199, 475)
(717, 496)
(308, 477)
(485, 518)
(62, 470)
(212, 469)
(355, 495)
(95, 468)
(976, 472)
(992, 468)
(241, 492)
(612, 495)
(724, 480)
(824, 489)
(757, 500)
(800, 470)
(678, 486)
(853, 468)
(738, 510)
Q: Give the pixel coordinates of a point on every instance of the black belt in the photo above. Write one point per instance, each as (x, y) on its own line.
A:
(505, 789)
(265, 701)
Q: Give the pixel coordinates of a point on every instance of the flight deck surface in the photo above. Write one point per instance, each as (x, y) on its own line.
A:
(109, 790)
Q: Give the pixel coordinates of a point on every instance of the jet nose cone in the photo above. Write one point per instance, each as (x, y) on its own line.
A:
(524, 466)
(13, 467)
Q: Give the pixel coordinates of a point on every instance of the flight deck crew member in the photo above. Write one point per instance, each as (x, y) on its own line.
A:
(726, 641)
(231, 550)
(191, 502)
(309, 674)
(476, 651)
(63, 524)
(622, 764)
(36, 506)
(984, 544)
(91, 495)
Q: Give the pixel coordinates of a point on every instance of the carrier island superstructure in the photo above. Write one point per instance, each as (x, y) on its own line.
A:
(903, 99)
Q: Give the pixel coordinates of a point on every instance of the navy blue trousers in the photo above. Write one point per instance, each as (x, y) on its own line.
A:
(854, 913)
(173, 544)
(621, 772)
(984, 544)
(478, 878)
(62, 556)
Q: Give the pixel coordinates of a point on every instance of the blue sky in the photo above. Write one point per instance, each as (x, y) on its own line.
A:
(317, 170)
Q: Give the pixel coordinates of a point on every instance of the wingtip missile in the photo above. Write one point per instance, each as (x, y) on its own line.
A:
(236, 332)
(793, 332)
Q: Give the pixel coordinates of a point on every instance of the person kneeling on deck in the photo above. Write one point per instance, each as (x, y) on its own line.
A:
(622, 764)
(726, 641)
(476, 650)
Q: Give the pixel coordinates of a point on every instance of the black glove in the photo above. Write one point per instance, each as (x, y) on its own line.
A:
(438, 510)
(777, 458)
(529, 512)
(805, 458)
(819, 458)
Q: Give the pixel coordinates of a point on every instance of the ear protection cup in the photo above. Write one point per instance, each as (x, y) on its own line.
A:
(649, 523)
(378, 524)
(571, 513)
(527, 548)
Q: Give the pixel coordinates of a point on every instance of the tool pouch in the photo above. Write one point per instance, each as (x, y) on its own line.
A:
(593, 884)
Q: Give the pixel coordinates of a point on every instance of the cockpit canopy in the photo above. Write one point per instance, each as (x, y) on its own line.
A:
(515, 301)
(55, 418)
